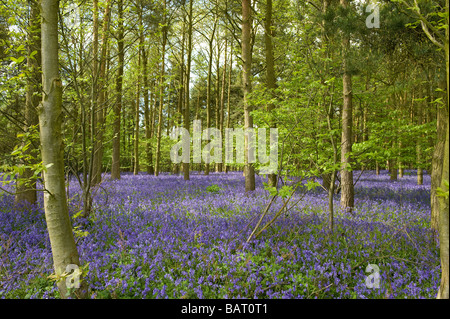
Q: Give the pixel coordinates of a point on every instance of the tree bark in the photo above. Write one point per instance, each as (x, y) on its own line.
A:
(59, 227)
(138, 96)
(347, 191)
(222, 101)
(208, 86)
(115, 166)
(270, 71)
(26, 192)
(161, 97)
(188, 76)
(136, 122)
(101, 101)
(226, 167)
(437, 160)
(249, 170)
(443, 292)
(217, 92)
(418, 141)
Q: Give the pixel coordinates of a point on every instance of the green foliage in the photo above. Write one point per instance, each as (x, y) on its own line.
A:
(23, 157)
(213, 189)
(443, 191)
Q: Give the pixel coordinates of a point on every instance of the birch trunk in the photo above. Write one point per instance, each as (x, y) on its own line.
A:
(57, 218)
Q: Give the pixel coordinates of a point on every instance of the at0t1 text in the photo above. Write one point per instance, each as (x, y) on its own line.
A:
(246, 308)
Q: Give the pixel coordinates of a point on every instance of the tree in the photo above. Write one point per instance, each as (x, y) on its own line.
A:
(100, 105)
(188, 77)
(26, 191)
(161, 91)
(270, 72)
(115, 166)
(209, 81)
(249, 170)
(347, 192)
(59, 226)
(432, 29)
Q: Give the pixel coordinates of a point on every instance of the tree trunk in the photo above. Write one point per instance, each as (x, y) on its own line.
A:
(101, 101)
(138, 96)
(270, 71)
(443, 292)
(181, 92)
(222, 102)
(419, 141)
(147, 116)
(136, 124)
(393, 169)
(161, 97)
(208, 86)
(247, 83)
(226, 167)
(217, 92)
(57, 218)
(347, 191)
(26, 192)
(437, 160)
(188, 76)
(115, 166)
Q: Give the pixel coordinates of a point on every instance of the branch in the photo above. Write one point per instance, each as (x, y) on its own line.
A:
(426, 25)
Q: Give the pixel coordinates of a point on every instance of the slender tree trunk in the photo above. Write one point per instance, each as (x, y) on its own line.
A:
(26, 192)
(152, 117)
(437, 160)
(443, 292)
(393, 169)
(101, 101)
(181, 91)
(270, 71)
(138, 95)
(347, 191)
(62, 242)
(332, 180)
(147, 115)
(115, 166)
(444, 221)
(229, 94)
(217, 92)
(222, 102)
(208, 86)
(249, 170)
(418, 142)
(89, 181)
(136, 120)
(161, 98)
(148, 125)
(188, 76)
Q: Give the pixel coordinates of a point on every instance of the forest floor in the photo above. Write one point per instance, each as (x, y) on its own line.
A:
(162, 237)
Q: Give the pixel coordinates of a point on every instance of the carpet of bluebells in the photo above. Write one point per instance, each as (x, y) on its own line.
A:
(162, 237)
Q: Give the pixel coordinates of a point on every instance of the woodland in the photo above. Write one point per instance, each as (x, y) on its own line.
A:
(94, 206)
